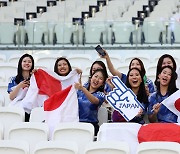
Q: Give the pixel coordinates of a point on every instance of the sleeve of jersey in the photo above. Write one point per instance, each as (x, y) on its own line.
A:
(101, 97)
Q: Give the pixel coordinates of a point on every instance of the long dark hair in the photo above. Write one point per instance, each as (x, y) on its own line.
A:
(142, 95)
(101, 88)
(56, 65)
(172, 84)
(99, 63)
(141, 64)
(159, 64)
(19, 76)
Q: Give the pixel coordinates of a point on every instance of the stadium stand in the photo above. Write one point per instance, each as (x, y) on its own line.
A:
(72, 28)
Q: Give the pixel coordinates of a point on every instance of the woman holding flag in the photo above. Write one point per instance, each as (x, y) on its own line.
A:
(91, 98)
(21, 80)
(166, 85)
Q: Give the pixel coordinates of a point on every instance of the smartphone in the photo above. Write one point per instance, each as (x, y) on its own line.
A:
(100, 50)
(27, 79)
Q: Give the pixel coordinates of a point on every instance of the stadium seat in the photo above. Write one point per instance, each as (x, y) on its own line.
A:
(31, 132)
(56, 147)
(78, 59)
(2, 58)
(14, 147)
(14, 58)
(10, 115)
(121, 32)
(153, 31)
(95, 32)
(175, 32)
(3, 91)
(157, 147)
(1, 131)
(102, 115)
(10, 69)
(2, 100)
(81, 133)
(7, 29)
(107, 147)
(63, 33)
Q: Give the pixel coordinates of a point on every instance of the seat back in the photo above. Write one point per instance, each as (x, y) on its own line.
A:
(56, 147)
(14, 147)
(10, 115)
(158, 147)
(107, 147)
(81, 133)
(31, 132)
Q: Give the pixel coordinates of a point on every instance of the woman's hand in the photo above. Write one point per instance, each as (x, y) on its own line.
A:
(79, 71)
(140, 113)
(156, 107)
(108, 81)
(78, 86)
(24, 84)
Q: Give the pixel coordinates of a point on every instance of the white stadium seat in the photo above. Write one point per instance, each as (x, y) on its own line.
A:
(14, 147)
(107, 147)
(157, 147)
(31, 132)
(81, 133)
(9, 116)
(56, 147)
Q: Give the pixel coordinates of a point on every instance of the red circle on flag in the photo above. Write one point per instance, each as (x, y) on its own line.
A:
(177, 104)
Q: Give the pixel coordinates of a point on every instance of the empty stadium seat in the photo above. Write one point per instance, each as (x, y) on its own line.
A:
(10, 69)
(31, 132)
(2, 100)
(157, 147)
(1, 131)
(107, 147)
(3, 91)
(63, 33)
(56, 147)
(81, 133)
(10, 115)
(14, 147)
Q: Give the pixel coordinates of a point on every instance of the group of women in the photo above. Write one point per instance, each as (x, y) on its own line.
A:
(91, 95)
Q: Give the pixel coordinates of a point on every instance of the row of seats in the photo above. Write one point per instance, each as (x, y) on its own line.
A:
(120, 32)
(110, 134)
(56, 147)
(105, 27)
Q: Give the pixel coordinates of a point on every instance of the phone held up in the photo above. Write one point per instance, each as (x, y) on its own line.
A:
(100, 50)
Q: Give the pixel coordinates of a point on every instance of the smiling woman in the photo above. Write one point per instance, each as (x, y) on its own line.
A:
(62, 66)
(91, 98)
(135, 83)
(21, 80)
(166, 85)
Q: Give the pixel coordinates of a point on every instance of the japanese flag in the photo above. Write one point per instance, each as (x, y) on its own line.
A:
(173, 103)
